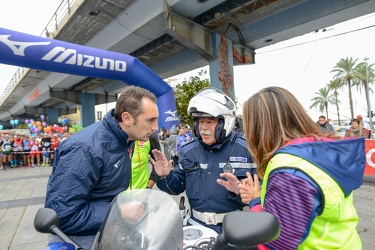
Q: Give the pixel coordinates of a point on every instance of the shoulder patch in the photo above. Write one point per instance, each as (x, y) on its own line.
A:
(241, 139)
(190, 141)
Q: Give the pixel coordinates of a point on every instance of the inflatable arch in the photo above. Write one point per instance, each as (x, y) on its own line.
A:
(57, 56)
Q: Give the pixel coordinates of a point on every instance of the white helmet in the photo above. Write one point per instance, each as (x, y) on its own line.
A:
(211, 102)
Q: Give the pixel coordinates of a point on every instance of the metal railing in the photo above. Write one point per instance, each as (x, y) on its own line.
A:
(62, 12)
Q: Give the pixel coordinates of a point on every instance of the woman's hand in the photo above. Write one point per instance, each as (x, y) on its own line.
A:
(161, 165)
(249, 188)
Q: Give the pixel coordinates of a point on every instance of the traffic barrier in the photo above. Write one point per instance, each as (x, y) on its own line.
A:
(370, 157)
(21, 152)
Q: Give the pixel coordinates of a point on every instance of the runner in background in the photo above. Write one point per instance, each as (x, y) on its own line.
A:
(26, 150)
(54, 144)
(46, 149)
(34, 152)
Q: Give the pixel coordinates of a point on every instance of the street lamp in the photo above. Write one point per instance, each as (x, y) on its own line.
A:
(368, 97)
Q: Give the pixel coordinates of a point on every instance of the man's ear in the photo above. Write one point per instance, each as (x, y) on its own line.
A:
(127, 118)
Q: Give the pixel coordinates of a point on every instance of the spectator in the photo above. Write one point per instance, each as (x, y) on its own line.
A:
(94, 165)
(1, 152)
(324, 125)
(178, 127)
(34, 152)
(365, 125)
(17, 151)
(238, 126)
(308, 175)
(162, 136)
(26, 150)
(182, 138)
(46, 148)
(188, 131)
(55, 141)
(6, 148)
(216, 149)
(164, 144)
(356, 130)
(172, 146)
(39, 139)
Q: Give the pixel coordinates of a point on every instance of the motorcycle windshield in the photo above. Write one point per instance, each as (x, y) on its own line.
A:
(141, 219)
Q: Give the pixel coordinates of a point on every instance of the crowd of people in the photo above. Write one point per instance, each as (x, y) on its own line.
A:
(358, 127)
(274, 159)
(24, 150)
(173, 139)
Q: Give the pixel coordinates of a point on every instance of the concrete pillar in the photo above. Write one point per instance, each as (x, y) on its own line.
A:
(52, 115)
(87, 109)
(221, 69)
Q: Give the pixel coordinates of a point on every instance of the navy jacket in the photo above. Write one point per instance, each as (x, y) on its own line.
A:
(90, 168)
(200, 166)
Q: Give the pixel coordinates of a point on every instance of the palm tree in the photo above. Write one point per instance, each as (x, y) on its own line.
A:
(323, 98)
(364, 72)
(344, 69)
(334, 85)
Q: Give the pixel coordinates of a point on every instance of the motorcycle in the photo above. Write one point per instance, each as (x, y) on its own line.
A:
(161, 226)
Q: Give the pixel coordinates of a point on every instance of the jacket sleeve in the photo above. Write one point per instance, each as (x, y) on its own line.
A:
(295, 206)
(174, 183)
(69, 188)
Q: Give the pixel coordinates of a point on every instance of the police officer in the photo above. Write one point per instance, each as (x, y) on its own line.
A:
(216, 148)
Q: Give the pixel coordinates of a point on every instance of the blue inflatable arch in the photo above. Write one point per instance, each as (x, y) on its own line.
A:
(52, 55)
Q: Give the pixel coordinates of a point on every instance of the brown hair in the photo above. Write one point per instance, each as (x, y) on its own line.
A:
(272, 117)
(130, 101)
(358, 121)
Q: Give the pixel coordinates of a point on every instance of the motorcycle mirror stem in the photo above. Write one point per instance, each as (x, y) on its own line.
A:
(46, 221)
(55, 230)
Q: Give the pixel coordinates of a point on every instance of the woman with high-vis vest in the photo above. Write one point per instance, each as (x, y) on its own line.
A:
(308, 176)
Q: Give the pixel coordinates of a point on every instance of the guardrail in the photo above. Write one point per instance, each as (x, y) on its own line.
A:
(62, 12)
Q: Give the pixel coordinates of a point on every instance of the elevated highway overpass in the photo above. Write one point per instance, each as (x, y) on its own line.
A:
(168, 36)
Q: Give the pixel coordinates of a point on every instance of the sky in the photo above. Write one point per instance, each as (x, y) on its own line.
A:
(25, 16)
(302, 65)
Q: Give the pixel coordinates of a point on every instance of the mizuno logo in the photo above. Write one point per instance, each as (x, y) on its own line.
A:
(172, 113)
(18, 48)
(70, 56)
(67, 56)
(116, 165)
(173, 116)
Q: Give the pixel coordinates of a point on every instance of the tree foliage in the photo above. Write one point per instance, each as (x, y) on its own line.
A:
(334, 85)
(323, 98)
(344, 69)
(183, 94)
(348, 73)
